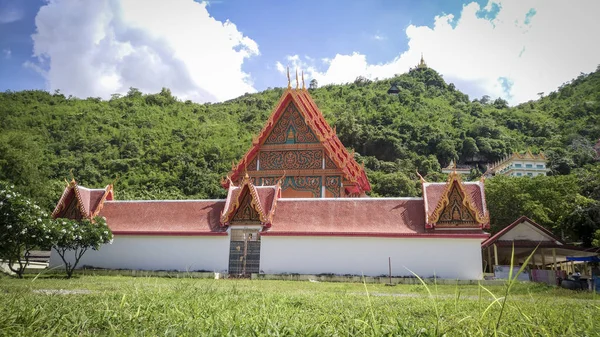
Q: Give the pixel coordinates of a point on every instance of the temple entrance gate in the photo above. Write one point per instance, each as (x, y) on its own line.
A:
(244, 251)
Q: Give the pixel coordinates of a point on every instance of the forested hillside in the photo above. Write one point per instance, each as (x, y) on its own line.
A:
(153, 146)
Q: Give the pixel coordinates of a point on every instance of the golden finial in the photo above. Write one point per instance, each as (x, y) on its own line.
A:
(297, 85)
(303, 87)
(288, 76)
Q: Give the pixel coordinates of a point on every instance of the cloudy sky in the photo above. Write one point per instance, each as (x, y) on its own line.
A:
(218, 50)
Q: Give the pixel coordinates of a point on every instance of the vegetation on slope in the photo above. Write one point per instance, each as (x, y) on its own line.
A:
(154, 146)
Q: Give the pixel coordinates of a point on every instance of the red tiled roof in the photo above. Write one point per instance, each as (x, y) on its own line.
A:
(314, 118)
(520, 220)
(194, 217)
(376, 217)
(381, 217)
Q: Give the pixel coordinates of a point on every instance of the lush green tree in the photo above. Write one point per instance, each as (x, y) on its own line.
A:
(548, 200)
(393, 184)
(76, 237)
(24, 226)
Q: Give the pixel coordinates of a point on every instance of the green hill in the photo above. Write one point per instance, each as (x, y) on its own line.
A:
(154, 146)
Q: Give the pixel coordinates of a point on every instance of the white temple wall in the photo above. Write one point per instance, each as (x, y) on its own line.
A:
(445, 258)
(183, 253)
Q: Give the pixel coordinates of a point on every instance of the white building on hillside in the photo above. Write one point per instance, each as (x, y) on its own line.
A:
(520, 165)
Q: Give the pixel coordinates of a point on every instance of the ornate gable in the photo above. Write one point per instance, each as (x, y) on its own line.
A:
(455, 204)
(291, 129)
(297, 142)
(248, 203)
(78, 202)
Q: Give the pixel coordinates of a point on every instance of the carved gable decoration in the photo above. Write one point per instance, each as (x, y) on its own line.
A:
(455, 206)
(72, 209)
(296, 137)
(291, 128)
(78, 202)
(248, 203)
(456, 212)
(247, 209)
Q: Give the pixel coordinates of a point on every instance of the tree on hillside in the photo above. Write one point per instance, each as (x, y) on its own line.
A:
(313, 84)
(24, 227)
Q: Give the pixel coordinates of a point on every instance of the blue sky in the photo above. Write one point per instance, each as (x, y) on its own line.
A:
(221, 49)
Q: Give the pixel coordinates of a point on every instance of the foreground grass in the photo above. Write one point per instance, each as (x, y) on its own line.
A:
(108, 305)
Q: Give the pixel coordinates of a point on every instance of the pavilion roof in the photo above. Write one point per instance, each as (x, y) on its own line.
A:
(551, 239)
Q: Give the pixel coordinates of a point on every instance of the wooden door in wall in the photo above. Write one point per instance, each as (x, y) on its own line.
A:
(244, 252)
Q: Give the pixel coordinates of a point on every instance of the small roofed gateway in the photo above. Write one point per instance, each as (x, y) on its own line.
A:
(296, 203)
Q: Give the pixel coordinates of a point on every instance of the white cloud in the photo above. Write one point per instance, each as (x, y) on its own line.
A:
(10, 12)
(533, 46)
(7, 53)
(97, 48)
(379, 37)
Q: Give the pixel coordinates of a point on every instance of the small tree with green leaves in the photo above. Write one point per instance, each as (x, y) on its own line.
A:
(76, 237)
(24, 226)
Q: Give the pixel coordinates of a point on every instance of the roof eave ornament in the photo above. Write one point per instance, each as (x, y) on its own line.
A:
(288, 77)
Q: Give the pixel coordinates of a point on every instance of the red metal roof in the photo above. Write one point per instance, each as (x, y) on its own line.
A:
(380, 217)
(314, 119)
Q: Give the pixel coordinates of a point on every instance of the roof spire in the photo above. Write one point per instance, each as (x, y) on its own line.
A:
(422, 64)
(297, 79)
(303, 87)
(288, 75)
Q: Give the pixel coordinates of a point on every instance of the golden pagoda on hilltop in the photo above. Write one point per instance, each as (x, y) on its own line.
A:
(422, 64)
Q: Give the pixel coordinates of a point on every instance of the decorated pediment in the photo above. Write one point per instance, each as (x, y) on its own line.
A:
(297, 142)
(78, 202)
(456, 205)
(248, 203)
(291, 129)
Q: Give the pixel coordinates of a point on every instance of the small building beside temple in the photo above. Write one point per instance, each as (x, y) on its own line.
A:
(520, 165)
(296, 203)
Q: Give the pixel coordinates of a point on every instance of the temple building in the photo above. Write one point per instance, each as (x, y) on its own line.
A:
(296, 203)
(520, 165)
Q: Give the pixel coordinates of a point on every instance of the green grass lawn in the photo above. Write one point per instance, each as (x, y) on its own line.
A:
(111, 305)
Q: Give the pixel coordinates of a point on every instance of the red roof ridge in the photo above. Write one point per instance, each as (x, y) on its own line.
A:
(166, 200)
(351, 199)
(520, 220)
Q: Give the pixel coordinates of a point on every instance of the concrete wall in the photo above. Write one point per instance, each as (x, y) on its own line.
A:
(184, 253)
(446, 258)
